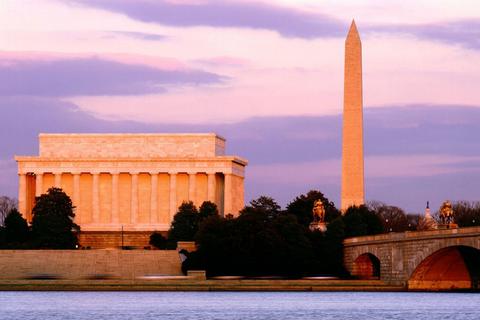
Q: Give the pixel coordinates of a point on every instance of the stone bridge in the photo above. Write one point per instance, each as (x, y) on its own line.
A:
(436, 260)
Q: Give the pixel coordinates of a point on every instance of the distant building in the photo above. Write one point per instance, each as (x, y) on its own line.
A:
(132, 182)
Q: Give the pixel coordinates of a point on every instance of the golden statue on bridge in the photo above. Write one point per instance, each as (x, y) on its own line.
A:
(447, 215)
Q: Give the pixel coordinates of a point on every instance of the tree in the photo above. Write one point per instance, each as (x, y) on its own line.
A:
(52, 222)
(416, 222)
(294, 252)
(185, 223)
(466, 214)
(158, 241)
(361, 221)
(334, 249)
(252, 245)
(3, 238)
(328, 249)
(207, 209)
(214, 247)
(393, 218)
(264, 206)
(302, 207)
(6, 205)
(16, 227)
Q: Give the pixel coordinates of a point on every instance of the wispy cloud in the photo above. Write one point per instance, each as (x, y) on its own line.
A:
(222, 61)
(461, 32)
(92, 77)
(136, 35)
(288, 22)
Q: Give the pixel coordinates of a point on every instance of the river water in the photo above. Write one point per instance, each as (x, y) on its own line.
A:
(238, 305)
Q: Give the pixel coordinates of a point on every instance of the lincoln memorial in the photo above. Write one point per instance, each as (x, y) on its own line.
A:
(132, 182)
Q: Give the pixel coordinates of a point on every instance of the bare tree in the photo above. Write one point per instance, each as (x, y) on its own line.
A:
(393, 218)
(6, 204)
(416, 222)
(466, 213)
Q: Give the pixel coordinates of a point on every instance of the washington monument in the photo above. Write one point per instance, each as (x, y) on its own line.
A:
(353, 193)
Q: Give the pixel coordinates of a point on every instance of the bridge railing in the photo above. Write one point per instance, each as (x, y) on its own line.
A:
(412, 235)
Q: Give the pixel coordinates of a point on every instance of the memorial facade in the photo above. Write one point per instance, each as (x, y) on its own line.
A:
(132, 182)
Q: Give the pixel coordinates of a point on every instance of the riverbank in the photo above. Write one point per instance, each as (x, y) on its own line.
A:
(198, 285)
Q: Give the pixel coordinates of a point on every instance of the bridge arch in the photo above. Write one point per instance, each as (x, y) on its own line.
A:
(454, 267)
(366, 266)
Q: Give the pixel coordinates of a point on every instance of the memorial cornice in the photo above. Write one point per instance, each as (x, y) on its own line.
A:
(235, 159)
(39, 165)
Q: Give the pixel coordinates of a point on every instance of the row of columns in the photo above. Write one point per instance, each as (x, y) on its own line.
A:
(115, 219)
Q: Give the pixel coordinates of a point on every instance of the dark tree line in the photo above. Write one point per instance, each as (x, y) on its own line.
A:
(52, 225)
(265, 240)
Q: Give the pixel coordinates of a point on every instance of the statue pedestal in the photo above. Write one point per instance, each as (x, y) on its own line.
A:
(443, 226)
(320, 226)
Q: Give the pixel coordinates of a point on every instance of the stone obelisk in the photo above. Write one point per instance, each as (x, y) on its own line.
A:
(353, 193)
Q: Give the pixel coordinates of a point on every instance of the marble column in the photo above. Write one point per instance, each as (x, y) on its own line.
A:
(154, 197)
(192, 186)
(173, 195)
(58, 180)
(38, 184)
(211, 187)
(134, 199)
(22, 194)
(95, 198)
(228, 201)
(76, 196)
(115, 215)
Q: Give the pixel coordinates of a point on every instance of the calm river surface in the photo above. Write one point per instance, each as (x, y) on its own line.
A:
(237, 305)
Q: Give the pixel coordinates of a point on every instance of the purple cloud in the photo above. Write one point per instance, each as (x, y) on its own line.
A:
(288, 22)
(92, 76)
(138, 35)
(236, 14)
(463, 32)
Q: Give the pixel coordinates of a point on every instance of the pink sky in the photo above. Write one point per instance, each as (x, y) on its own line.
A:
(209, 63)
(268, 73)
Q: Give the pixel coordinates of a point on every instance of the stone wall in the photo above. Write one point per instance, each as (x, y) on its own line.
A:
(88, 264)
(113, 239)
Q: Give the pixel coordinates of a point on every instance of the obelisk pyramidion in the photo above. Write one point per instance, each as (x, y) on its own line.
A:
(353, 193)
